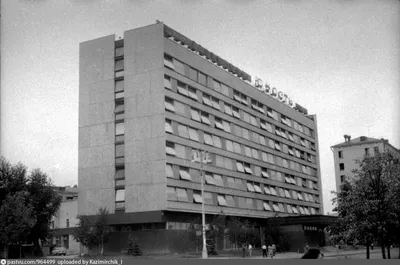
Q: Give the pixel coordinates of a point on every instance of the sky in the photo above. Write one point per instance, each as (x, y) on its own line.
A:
(337, 58)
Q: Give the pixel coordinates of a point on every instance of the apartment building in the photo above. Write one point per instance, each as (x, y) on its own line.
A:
(150, 100)
(348, 152)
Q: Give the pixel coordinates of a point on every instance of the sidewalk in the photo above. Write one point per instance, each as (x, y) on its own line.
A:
(295, 255)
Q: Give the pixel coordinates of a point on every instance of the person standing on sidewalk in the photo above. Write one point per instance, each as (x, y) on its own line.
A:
(244, 250)
(250, 247)
(264, 250)
(273, 249)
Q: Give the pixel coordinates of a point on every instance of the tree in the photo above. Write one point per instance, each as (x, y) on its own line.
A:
(93, 233)
(368, 204)
(45, 202)
(40, 196)
(15, 219)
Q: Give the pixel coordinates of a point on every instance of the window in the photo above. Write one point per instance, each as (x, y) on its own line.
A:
(197, 198)
(120, 198)
(67, 223)
(179, 67)
(225, 90)
(287, 194)
(275, 207)
(342, 178)
(208, 198)
(247, 151)
(119, 107)
(239, 167)
(202, 79)
(245, 133)
(218, 123)
(255, 153)
(207, 100)
(195, 114)
(235, 112)
(217, 141)
(119, 65)
(228, 109)
(237, 148)
(170, 149)
(204, 118)
(193, 135)
(299, 197)
(119, 129)
(340, 154)
(273, 191)
(229, 145)
(184, 174)
(192, 93)
(217, 86)
(120, 182)
(218, 180)
(209, 178)
(277, 146)
(182, 89)
(167, 82)
(119, 150)
(168, 61)
(227, 126)
(257, 188)
(366, 151)
(253, 120)
(119, 86)
(183, 131)
(193, 74)
(247, 169)
(266, 206)
(221, 200)
(230, 201)
(376, 150)
(169, 104)
(341, 166)
(264, 173)
(215, 103)
(171, 194)
(168, 171)
(182, 195)
(207, 139)
(236, 96)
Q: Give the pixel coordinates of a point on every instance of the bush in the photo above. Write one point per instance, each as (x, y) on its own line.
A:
(134, 248)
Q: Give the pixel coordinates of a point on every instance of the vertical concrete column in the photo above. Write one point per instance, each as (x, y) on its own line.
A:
(145, 182)
(96, 126)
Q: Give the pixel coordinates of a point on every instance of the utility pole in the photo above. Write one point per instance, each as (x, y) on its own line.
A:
(202, 157)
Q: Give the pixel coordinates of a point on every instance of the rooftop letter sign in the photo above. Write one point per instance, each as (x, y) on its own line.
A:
(273, 92)
(279, 95)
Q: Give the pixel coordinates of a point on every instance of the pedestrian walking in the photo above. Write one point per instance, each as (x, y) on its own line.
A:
(250, 247)
(244, 250)
(306, 248)
(264, 250)
(273, 249)
(372, 246)
(270, 251)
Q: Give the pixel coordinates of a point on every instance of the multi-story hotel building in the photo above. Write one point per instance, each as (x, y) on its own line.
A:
(346, 154)
(147, 101)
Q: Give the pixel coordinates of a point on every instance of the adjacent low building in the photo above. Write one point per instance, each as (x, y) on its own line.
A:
(347, 153)
(63, 223)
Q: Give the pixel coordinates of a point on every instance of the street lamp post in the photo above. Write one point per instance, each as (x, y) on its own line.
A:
(202, 155)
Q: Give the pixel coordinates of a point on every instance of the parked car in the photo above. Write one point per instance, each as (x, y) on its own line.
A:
(58, 251)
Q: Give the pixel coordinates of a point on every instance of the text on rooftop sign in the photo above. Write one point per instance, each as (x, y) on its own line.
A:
(273, 92)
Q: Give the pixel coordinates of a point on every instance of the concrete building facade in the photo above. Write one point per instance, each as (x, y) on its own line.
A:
(149, 100)
(347, 153)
